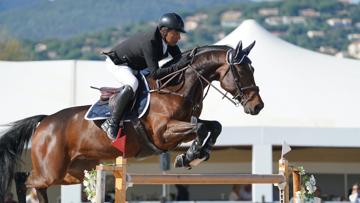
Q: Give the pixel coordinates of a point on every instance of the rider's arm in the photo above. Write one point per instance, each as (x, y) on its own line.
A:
(159, 73)
(174, 51)
(150, 57)
(153, 65)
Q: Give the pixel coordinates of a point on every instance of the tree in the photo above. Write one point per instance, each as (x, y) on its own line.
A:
(12, 50)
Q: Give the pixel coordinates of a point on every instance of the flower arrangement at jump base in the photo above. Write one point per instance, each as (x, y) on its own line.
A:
(90, 185)
(307, 187)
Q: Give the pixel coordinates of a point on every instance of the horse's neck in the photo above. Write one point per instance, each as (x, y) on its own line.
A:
(196, 84)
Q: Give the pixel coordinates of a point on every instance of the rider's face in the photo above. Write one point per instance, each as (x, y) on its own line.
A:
(172, 37)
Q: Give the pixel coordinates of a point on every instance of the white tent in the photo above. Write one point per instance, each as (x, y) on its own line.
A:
(300, 88)
(45, 87)
(305, 94)
(310, 100)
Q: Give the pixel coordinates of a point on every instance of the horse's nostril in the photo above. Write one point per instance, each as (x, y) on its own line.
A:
(258, 107)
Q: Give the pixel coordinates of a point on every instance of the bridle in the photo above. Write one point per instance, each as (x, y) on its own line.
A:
(233, 59)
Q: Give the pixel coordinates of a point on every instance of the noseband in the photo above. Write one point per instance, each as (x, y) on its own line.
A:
(235, 59)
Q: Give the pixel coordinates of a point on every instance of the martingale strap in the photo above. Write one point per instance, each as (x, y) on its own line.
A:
(147, 147)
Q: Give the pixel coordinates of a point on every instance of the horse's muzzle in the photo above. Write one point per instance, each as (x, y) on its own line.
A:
(258, 108)
(254, 109)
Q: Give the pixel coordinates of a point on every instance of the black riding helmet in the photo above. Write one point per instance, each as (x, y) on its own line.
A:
(172, 21)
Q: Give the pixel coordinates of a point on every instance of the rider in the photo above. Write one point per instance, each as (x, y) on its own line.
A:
(141, 51)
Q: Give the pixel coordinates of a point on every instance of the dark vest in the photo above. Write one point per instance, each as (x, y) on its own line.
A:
(144, 50)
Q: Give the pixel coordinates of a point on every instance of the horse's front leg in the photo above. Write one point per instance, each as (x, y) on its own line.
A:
(215, 129)
(179, 131)
(195, 150)
(198, 151)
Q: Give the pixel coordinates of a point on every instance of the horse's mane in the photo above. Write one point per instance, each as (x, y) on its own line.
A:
(185, 56)
(206, 48)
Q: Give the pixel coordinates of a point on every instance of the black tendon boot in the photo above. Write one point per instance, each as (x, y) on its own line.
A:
(121, 100)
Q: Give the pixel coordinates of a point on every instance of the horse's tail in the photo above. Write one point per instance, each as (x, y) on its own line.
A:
(12, 143)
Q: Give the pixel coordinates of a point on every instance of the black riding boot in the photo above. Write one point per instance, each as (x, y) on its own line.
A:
(121, 100)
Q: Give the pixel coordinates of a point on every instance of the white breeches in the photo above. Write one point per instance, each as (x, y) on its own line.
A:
(123, 74)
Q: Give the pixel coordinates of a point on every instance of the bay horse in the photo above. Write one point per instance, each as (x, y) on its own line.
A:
(64, 144)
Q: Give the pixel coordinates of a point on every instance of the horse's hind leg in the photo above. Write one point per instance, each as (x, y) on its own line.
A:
(49, 162)
(42, 195)
(45, 177)
(76, 169)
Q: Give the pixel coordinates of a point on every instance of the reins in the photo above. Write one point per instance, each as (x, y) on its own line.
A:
(231, 61)
(210, 84)
(161, 89)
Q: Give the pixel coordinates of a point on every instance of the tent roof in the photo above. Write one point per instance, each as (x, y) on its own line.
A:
(300, 88)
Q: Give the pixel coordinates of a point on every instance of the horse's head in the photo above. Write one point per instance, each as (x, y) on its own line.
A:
(231, 67)
(237, 78)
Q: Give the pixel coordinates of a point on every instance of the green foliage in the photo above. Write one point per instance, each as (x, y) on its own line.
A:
(307, 186)
(90, 44)
(354, 13)
(66, 18)
(12, 49)
(90, 185)
(292, 7)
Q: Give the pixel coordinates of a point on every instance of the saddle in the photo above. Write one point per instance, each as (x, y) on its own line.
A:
(101, 110)
(107, 92)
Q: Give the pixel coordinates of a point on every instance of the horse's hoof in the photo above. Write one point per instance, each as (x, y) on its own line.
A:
(196, 162)
(181, 162)
(205, 155)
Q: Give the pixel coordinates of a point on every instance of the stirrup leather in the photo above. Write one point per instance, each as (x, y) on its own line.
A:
(110, 128)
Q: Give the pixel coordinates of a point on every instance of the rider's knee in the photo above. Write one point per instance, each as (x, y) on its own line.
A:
(128, 88)
(134, 84)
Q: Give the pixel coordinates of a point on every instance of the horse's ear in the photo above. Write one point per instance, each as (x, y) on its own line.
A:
(248, 49)
(238, 48)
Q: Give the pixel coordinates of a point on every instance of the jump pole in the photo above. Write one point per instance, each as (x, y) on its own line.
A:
(203, 179)
(119, 171)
